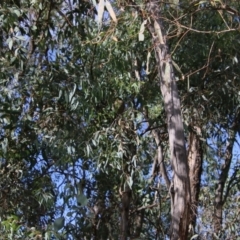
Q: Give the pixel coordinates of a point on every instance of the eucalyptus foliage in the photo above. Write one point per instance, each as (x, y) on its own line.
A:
(79, 103)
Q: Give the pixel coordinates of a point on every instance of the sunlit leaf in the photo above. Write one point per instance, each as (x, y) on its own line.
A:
(141, 32)
(111, 11)
(194, 236)
(101, 5)
(10, 43)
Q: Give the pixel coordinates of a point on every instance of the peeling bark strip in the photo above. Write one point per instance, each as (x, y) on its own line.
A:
(180, 189)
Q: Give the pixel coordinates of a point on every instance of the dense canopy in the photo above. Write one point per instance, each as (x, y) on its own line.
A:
(119, 119)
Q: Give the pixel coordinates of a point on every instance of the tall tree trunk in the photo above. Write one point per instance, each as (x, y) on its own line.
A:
(180, 188)
(126, 190)
(195, 157)
(125, 204)
(218, 205)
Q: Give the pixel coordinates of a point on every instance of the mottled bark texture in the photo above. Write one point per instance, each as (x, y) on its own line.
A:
(195, 156)
(180, 188)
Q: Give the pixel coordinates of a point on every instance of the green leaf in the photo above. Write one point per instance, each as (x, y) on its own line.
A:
(142, 29)
(82, 200)
(141, 37)
(194, 236)
(72, 93)
(94, 3)
(174, 3)
(111, 11)
(10, 43)
(59, 223)
(148, 63)
(59, 94)
(130, 182)
(17, 12)
(100, 12)
(40, 6)
(22, 38)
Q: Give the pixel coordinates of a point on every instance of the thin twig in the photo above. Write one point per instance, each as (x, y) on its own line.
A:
(207, 32)
(179, 41)
(208, 61)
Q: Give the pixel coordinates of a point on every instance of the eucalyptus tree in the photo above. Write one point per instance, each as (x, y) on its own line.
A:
(93, 131)
(212, 92)
(69, 114)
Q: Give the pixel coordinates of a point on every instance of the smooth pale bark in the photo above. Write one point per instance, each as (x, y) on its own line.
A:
(195, 157)
(180, 189)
